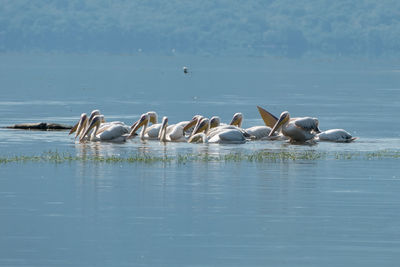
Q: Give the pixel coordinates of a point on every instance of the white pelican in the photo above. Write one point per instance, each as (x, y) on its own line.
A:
(172, 133)
(223, 135)
(75, 127)
(153, 130)
(105, 125)
(335, 135)
(93, 113)
(81, 122)
(215, 122)
(192, 124)
(113, 133)
(228, 136)
(296, 129)
(262, 132)
(84, 123)
(259, 132)
(143, 121)
(235, 124)
(237, 119)
(216, 130)
(80, 126)
(255, 132)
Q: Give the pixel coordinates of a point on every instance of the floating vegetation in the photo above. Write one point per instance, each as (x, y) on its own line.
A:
(259, 156)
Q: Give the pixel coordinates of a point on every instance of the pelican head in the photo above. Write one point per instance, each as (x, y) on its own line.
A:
(237, 119)
(153, 118)
(193, 122)
(92, 114)
(283, 119)
(214, 122)
(76, 126)
(202, 126)
(144, 119)
(81, 124)
(163, 131)
(198, 138)
(96, 121)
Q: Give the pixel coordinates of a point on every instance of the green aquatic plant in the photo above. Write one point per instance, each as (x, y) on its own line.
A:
(383, 154)
(257, 156)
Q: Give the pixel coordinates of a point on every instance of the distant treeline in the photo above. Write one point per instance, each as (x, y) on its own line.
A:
(287, 28)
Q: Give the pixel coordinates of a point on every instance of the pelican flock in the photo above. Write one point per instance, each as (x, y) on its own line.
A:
(201, 129)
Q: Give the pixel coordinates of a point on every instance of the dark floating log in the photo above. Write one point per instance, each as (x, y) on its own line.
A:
(42, 126)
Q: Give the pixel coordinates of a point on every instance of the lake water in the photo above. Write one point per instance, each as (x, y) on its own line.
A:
(316, 212)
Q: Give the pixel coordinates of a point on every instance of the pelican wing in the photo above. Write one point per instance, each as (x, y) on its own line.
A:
(268, 118)
(175, 133)
(307, 123)
(231, 136)
(113, 132)
(107, 125)
(153, 130)
(217, 130)
(259, 132)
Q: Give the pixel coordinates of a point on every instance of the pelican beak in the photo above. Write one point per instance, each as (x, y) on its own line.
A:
(269, 119)
(132, 127)
(192, 139)
(278, 124)
(190, 124)
(163, 128)
(134, 124)
(96, 121)
(76, 126)
(73, 129)
(202, 126)
(81, 126)
(137, 125)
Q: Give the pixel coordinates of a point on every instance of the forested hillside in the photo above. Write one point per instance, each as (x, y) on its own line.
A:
(286, 28)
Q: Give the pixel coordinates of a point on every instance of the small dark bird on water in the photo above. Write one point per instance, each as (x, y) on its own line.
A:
(185, 70)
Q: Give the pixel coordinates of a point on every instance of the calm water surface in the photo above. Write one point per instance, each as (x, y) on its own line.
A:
(325, 212)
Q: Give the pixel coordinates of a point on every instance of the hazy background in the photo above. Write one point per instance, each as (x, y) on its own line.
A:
(335, 60)
(284, 28)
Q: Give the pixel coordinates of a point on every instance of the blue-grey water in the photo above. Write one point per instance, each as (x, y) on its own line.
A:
(323, 212)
